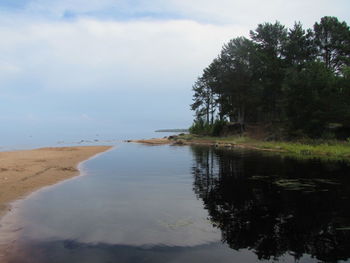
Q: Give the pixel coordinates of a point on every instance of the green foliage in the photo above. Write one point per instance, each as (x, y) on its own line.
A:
(200, 127)
(332, 39)
(218, 127)
(308, 99)
(295, 77)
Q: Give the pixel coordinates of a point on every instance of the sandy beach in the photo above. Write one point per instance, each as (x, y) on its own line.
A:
(22, 172)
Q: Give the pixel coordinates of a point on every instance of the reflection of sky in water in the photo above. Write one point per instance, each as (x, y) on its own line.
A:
(133, 195)
(138, 203)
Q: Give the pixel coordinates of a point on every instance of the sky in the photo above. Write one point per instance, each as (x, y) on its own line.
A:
(95, 66)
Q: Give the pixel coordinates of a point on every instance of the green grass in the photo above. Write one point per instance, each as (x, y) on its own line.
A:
(340, 149)
(320, 149)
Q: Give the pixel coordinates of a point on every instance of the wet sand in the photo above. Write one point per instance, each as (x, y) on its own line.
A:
(22, 172)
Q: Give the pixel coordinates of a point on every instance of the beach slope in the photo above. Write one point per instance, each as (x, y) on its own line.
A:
(22, 172)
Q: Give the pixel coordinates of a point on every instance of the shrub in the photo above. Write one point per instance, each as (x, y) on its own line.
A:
(200, 127)
(218, 127)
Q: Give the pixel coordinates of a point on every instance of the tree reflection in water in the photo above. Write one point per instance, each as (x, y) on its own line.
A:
(242, 193)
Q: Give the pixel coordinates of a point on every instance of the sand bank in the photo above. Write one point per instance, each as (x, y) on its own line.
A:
(22, 172)
(180, 140)
(153, 141)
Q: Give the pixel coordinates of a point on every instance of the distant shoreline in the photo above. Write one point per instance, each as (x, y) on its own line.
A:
(24, 171)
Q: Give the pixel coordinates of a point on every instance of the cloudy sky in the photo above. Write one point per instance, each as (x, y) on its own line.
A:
(93, 66)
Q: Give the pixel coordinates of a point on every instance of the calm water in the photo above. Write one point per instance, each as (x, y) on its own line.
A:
(188, 204)
(22, 139)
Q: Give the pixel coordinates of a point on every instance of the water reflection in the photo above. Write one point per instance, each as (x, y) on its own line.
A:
(177, 204)
(274, 205)
(134, 198)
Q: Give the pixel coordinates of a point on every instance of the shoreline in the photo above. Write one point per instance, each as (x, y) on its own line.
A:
(25, 171)
(330, 150)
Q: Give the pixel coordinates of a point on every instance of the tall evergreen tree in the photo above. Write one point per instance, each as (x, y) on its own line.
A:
(333, 43)
(299, 47)
(237, 60)
(270, 39)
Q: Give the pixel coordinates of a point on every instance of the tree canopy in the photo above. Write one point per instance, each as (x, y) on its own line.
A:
(299, 78)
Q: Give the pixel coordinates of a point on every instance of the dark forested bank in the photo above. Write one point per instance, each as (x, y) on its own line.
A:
(296, 80)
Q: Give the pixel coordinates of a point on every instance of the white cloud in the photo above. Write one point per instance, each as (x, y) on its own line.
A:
(58, 7)
(8, 68)
(89, 53)
(249, 13)
(86, 117)
(244, 13)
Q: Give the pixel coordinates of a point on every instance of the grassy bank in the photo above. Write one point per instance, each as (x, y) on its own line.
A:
(304, 149)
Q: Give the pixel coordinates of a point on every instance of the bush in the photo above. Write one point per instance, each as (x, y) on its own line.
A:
(200, 127)
(218, 127)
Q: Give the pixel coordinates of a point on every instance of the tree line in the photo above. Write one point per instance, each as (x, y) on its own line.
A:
(296, 78)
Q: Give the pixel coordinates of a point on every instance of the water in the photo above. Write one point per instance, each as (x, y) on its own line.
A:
(141, 203)
(23, 139)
